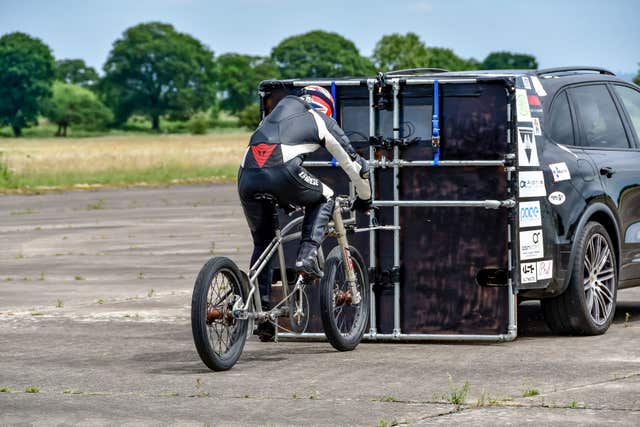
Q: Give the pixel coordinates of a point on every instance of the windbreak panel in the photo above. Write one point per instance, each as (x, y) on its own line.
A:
(443, 250)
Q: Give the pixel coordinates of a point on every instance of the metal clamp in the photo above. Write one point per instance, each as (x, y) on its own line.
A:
(389, 143)
(384, 278)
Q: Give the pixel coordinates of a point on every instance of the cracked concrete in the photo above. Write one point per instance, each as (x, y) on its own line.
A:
(94, 311)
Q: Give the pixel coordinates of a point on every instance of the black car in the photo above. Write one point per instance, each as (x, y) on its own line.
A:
(588, 122)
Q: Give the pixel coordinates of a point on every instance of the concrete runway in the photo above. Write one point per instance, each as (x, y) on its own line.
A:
(95, 290)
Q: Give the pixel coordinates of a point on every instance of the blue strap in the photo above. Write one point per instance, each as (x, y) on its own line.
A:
(435, 124)
(334, 162)
(333, 95)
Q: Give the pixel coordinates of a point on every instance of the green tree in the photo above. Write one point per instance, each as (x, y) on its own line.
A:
(509, 61)
(75, 105)
(155, 70)
(77, 72)
(397, 52)
(199, 123)
(250, 116)
(637, 79)
(26, 74)
(440, 57)
(239, 76)
(319, 54)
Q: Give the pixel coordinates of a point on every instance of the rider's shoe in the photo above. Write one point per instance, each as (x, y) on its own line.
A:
(265, 331)
(307, 261)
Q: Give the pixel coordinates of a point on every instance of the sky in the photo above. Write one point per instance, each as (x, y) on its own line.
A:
(558, 33)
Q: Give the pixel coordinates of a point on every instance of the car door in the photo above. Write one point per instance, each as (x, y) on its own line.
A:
(606, 138)
(628, 98)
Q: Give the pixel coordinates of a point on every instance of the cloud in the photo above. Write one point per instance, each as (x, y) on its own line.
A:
(421, 7)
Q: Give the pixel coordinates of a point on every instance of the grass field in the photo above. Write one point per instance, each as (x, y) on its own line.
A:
(39, 164)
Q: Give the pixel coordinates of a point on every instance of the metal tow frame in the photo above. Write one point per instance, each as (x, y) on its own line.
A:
(396, 163)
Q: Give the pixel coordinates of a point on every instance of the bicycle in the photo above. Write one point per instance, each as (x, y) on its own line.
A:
(226, 301)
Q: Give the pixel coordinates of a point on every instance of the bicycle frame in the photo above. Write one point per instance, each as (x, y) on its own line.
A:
(336, 228)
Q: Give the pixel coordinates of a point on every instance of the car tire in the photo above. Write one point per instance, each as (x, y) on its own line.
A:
(588, 304)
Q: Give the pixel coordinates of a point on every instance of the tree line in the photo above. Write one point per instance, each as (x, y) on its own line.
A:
(155, 71)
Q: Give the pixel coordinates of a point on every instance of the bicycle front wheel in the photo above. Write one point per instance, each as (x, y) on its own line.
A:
(344, 318)
(219, 337)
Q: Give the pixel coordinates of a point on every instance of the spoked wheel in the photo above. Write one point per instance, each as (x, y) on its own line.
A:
(588, 305)
(299, 310)
(599, 279)
(344, 317)
(219, 337)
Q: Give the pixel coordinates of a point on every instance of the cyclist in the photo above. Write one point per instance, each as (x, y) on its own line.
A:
(272, 165)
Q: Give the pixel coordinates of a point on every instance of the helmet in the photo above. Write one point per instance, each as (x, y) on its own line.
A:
(319, 98)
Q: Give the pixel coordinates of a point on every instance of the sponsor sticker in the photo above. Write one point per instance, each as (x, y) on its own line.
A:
(529, 214)
(527, 150)
(528, 272)
(537, 130)
(557, 198)
(531, 184)
(526, 83)
(534, 101)
(538, 86)
(531, 244)
(544, 269)
(522, 106)
(560, 171)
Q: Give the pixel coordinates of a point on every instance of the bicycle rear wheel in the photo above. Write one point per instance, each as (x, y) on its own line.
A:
(344, 322)
(219, 337)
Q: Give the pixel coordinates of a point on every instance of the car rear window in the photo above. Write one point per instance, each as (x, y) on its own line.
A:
(561, 127)
(598, 117)
(631, 100)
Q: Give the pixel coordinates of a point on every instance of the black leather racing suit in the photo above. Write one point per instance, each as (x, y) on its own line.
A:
(272, 165)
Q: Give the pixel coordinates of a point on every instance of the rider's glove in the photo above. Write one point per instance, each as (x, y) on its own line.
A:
(361, 205)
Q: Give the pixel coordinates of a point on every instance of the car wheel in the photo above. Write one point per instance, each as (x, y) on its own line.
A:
(588, 305)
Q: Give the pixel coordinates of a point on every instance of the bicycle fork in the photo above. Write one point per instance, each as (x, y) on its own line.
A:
(349, 273)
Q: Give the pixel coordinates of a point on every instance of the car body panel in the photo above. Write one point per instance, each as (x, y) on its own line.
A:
(612, 199)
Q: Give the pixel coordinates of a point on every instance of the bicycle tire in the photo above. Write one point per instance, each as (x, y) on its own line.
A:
(223, 274)
(341, 337)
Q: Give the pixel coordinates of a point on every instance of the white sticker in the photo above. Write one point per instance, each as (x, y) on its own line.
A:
(545, 269)
(537, 130)
(557, 198)
(527, 150)
(528, 272)
(531, 184)
(538, 86)
(531, 244)
(526, 83)
(529, 214)
(560, 171)
(522, 106)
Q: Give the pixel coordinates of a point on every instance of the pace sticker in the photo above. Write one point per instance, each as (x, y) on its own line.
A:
(528, 272)
(560, 171)
(531, 184)
(527, 150)
(522, 106)
(537, 130)
(557, 198)
(529, 214)
(526, 83)
(544, 269)
(531, 244)
(538, 86)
